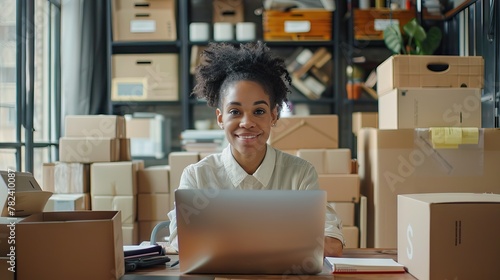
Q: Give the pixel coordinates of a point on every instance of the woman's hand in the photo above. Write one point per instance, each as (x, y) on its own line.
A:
(333, 247)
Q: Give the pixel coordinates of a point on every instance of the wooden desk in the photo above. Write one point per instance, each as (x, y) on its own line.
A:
(174, 273)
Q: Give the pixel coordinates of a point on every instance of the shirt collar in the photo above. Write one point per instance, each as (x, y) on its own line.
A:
(237, 174)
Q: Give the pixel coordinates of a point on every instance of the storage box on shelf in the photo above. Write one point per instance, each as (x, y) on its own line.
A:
(369, 24)
(297, 24)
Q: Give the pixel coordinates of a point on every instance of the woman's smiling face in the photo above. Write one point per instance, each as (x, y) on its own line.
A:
(246, 116)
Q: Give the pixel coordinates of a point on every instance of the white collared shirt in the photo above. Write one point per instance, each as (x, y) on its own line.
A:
(278, 171)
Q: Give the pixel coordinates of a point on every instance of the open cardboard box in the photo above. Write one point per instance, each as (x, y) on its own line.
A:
(20, 194)
(70, 245)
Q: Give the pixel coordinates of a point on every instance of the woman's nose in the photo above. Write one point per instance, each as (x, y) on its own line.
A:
(247, 122)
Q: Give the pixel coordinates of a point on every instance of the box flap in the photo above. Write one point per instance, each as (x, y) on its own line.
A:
(434, 198)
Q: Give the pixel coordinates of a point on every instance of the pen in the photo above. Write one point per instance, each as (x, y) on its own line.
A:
(174, 264)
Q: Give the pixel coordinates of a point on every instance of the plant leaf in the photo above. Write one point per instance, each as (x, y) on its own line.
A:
(431, 43)
(393, 39)
(415, 30)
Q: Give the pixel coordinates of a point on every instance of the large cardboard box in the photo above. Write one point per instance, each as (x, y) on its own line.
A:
(430, 107)
(95, 126)
(145, 77)
(403, 71)
(406, 161)
(89, 150)
(68, 202)
(369, 24)
(126, 204)
(340, 187)
(154, 179)
(305, 132)
(20, 194)
(147, 20)
(8, 237)
(70, 245)
(178, 161)
(454, 235)
(71, 177)
(147, 133)
(153, 207)
(6, 269)
(115, 178)
(328, 161)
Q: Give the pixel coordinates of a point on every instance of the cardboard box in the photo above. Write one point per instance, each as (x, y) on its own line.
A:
(146, 228)
(153, 207)
(454, 235)
(403, 71)
(154, 179)
(126, 204)
(6, 270)
(83, 244)
(430, 107)
(88, 150)
(328, 161)
(147, 135)
(345, 211)
(178, 161)
(363, 119)
(369, 24)
(228, 11)
(95, 126)
(340, 187)
(297, 24)
(8, 236)
(115, 178)
(351, 236)
(130, 234)
(147, 20)
(403, 161)
(305, 132)
(20, 194)
(145, 77)
(66, 177)
(68, 202)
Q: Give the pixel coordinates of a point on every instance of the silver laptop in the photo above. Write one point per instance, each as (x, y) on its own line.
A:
(250, 231)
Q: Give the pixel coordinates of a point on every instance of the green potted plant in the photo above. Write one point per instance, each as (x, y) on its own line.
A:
(414, 40)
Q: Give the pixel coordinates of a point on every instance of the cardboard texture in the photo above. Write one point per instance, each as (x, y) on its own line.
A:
(83, 244)
(153, 207)
(68, 202)
(178, 161)
(48, 169)
(305, 132)
(126, 204)
(403, 161)
(145, 229)
(115, 178)
(328, 161)
(145, 20)
(71, 177)
(20, 194)
(345, 211)
(89, 150)
(145, 77)
(95, 126)
(297, 24)
(340, 187)
(363, 119)
(5, 273)
(228, 11)
(154, 179)
(455, 235)
(130, 234)
(430, 107)
(351, 236)
(7, 236)
(147, 135)
(403, 71)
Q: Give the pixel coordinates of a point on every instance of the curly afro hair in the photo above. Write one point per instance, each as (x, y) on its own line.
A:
(224, 64)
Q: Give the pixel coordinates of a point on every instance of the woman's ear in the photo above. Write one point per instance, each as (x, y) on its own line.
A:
(274, 114)
(218, 115)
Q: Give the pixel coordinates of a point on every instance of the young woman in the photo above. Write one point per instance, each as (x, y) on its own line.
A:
(248, 85)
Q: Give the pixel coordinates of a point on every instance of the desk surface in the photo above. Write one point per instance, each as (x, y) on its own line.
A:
(167, 273)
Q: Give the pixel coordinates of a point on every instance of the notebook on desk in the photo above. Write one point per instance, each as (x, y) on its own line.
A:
(250, 231)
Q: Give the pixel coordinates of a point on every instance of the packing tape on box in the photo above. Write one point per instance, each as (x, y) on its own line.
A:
(452, 137)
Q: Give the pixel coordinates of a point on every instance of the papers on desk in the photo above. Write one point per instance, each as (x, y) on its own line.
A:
(364, 265)
(137, 251)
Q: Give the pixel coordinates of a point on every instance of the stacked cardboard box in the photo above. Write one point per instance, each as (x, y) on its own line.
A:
(429, 138)
(95, 171)
(153, 201)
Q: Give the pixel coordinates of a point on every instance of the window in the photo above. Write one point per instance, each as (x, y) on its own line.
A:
(29, 83)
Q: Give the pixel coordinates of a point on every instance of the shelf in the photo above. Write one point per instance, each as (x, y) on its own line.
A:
(144, 103)
(145, 47)
(275, 43)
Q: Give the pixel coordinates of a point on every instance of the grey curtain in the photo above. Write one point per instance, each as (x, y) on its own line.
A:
(83, 57)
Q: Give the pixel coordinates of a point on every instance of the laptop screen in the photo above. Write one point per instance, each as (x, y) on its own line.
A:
(250, 231)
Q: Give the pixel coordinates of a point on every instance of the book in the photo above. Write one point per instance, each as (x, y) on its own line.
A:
(364, 265)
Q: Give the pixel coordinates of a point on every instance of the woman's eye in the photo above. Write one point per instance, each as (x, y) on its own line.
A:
(234, 112)
(260, 111)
